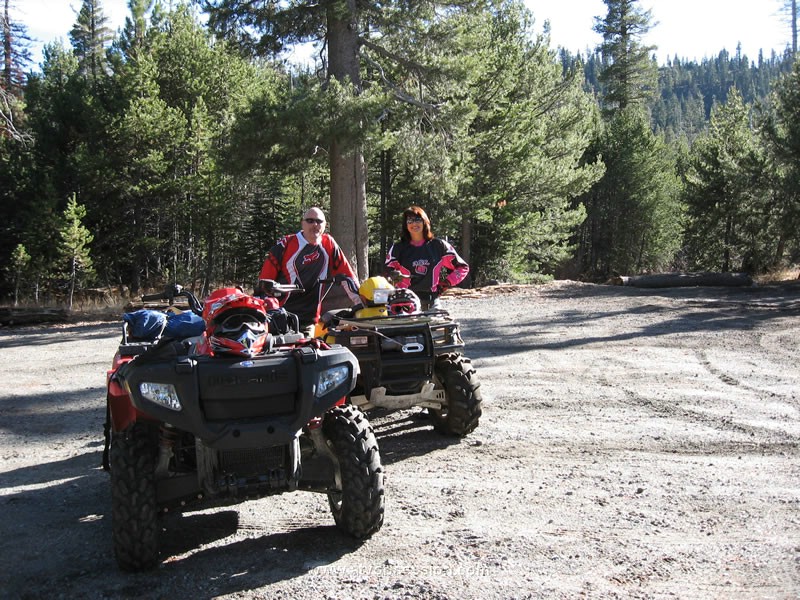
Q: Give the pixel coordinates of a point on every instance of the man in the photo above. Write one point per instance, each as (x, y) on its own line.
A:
(306, 257)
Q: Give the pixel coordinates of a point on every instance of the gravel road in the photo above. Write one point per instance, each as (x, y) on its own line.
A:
(634, 444)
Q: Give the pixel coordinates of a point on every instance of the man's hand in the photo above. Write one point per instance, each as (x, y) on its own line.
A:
(444, 285)
(395, 276)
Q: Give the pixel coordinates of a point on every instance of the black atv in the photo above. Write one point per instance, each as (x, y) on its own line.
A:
(187, 425)
(409, 359)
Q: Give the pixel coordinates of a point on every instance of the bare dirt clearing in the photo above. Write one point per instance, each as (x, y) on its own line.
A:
(634, 443)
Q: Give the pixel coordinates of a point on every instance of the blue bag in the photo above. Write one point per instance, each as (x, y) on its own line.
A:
(184, 325)
(145, 324)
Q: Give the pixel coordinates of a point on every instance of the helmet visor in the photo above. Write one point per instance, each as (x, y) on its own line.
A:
(240, 322)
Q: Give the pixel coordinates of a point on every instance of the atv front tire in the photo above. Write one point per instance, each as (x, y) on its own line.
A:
(134, 512)
(358, 503)
(460, 382)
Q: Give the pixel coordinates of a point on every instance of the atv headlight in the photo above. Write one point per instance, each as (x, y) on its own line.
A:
(380, 296)
(161, 393)
(330, 378)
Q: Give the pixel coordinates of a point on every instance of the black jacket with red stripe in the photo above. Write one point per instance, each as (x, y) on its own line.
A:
(292, 259)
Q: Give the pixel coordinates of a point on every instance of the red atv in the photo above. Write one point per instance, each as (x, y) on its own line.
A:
(246, 409)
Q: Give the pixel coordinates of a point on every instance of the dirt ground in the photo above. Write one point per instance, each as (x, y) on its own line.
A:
(635, 444)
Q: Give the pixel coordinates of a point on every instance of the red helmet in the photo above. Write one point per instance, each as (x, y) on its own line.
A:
(236, 323)
(402, 302)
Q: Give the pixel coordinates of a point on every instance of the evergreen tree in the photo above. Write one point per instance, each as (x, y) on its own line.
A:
(628, 76)
(781, 130)
(790, 9)
(20, 262)
(633, 212)
(16, 51)
(15, 48)
(135, 29)
(183, 216)
(74, 247)
(353, 33)
(46, 174)
(517, 162)
(729, 225)
(90, 37)
(491, 118)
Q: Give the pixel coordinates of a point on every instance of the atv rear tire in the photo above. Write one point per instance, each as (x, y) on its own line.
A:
(134, 512)
(358, 506)
(463, 410)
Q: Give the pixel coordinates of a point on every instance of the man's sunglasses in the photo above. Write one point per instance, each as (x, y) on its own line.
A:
(314, 221)
(411, 220)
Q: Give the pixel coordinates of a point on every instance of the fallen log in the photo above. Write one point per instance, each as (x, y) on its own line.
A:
(32, 316)
(667, 280)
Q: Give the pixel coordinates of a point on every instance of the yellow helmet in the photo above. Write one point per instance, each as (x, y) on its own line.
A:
(375, 290)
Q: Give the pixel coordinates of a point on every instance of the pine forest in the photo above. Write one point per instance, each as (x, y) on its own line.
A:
(180, 147)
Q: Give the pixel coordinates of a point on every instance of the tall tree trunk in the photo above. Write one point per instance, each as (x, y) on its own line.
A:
(348, 174)
(466, 243)
(73, 276)
(385, 191)
(7, 49)
(726, 254)
(349, 207)
(386, 196)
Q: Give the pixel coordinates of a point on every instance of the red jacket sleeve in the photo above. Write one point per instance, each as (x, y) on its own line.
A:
(341, 266)
(272, 266)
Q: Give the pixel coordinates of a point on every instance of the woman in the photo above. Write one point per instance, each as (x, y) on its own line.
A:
(429, 265)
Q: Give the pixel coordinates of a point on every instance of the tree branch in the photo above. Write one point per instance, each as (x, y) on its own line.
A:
(7, 125)
(398, 93)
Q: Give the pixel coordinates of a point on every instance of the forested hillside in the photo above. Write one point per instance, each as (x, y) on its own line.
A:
(687, 90)
(182, 146)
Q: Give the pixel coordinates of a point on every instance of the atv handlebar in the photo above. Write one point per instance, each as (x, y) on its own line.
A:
(173, 291)
(334, 279)
(270, 287)
(169, 292)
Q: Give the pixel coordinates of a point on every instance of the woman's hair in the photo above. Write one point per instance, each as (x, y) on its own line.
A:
(416, 211)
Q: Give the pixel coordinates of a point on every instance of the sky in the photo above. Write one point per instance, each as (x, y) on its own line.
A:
(692, 29)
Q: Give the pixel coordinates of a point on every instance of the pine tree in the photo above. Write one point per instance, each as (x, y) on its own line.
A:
(15, 48)
(633, 212)
(352, 34)
(790, 8)
(74, 246)
(20, 261)
(781, 131)
(628, 76)
(729, 225)
(178, 214)
(90, 37)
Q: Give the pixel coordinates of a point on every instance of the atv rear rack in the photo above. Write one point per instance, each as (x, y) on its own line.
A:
(397, 353)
